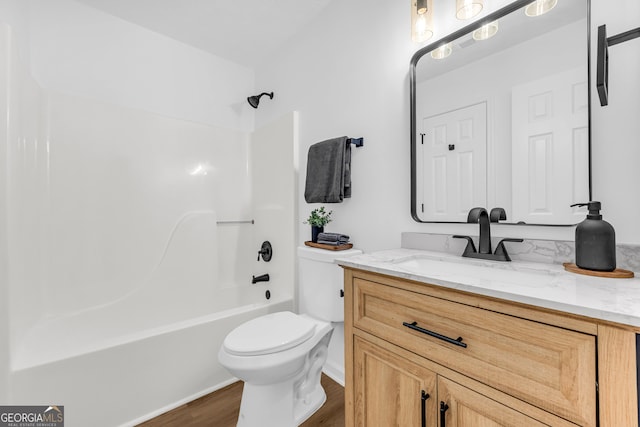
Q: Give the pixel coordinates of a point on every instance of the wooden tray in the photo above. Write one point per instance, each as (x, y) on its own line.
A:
(329, 247)
(618, 273)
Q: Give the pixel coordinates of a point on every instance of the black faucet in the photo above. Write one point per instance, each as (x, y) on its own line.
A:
(497, 214)
(480, 215)
(263, 278)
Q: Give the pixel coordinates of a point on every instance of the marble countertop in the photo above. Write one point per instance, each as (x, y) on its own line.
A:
(537, 284)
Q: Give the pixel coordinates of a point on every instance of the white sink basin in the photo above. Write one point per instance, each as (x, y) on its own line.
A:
(453, 268)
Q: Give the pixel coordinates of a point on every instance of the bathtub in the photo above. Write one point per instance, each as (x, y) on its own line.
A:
(110, 367)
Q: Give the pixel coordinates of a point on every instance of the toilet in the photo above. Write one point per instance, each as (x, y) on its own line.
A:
(280, 356)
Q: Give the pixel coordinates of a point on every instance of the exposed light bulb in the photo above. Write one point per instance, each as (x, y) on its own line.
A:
(422, 22)
(467, 9)
(441, 52)
(486, 31)
(540, 7)
(421, 6)
(423, 33)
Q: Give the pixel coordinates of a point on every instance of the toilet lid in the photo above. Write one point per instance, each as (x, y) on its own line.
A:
(269, 334)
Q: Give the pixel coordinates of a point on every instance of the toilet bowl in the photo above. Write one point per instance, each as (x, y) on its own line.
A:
(280, 356)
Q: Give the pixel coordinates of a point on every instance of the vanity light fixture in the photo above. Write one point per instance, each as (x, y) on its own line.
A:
(467, 9)
(486, 31)
(540, 7)
(421, 20)
(441, 52)
(421, 7)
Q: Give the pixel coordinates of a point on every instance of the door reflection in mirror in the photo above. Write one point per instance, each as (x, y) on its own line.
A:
(516, 109)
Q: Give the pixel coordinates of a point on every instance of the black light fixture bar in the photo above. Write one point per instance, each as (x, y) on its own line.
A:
(623, 37)
(602, 77)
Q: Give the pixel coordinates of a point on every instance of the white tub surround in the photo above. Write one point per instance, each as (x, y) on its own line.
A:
(126, 250)
(541, 285)
(535, 345)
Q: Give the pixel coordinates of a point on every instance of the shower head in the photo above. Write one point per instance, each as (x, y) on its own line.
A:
(255, 100)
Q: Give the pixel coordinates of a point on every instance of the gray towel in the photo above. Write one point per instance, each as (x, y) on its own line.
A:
(330, 243)
(328, 171)
(333, 237)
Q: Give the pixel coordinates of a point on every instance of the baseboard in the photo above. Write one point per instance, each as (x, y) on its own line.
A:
(178, 403)
(334, 372)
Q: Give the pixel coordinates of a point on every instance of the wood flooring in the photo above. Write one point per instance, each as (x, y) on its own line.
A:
(220, 409)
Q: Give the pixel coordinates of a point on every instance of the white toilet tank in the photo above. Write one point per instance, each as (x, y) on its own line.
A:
(321, 282)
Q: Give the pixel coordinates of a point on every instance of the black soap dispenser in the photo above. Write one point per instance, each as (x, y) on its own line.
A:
(595, 241)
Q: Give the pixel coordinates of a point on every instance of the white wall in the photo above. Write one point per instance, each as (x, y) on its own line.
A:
(83, 51)
(615, 143)
(348, 74)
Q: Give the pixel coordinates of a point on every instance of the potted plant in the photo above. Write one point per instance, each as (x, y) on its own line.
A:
(318, 218)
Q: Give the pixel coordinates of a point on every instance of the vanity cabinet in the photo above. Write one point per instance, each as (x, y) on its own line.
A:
(423, 355)
(391, 390)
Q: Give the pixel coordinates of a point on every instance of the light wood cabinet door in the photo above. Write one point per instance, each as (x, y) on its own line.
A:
(459, 406)
(391, 391)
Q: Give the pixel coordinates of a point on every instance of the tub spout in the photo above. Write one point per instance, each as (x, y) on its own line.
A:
(263, 278)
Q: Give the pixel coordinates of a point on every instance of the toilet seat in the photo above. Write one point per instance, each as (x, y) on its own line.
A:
(269, 334)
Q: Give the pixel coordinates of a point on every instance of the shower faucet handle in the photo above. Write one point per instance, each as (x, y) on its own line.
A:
(266, 251)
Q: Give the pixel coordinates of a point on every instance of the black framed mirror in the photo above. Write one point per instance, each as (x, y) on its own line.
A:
(504, 121)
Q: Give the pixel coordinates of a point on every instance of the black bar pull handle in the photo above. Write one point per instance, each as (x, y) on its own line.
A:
(424, 398)
(415, 327)
(443, 414)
